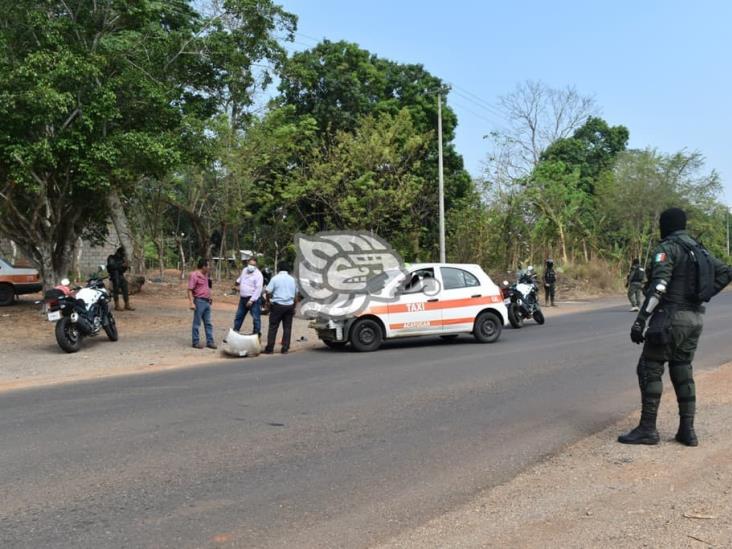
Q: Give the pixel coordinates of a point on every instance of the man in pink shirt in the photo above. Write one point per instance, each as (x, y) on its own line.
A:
(199, 296)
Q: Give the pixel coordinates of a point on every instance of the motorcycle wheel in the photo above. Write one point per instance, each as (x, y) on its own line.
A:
(539, 316)
(68, 336)
(514, 316)
(110, 328)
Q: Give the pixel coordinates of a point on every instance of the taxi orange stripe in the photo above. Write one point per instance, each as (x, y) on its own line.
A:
(433, 306)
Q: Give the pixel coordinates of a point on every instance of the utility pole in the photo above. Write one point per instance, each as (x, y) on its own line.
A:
(727, 220)
(441, 178)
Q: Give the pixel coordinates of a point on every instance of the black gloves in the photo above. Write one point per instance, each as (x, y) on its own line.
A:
(636, 332)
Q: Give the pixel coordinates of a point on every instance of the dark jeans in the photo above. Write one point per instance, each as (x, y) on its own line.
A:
(241, 314)
(280, 313)
(202, 312)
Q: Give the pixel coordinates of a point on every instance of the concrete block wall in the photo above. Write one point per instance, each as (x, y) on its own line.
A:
(89, 259)
(93, 256)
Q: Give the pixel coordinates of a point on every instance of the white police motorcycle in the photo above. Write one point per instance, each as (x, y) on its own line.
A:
(80, 312)
(522, 299)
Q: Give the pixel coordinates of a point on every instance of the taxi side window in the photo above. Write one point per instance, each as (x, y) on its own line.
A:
(457, 278)
(414, 282)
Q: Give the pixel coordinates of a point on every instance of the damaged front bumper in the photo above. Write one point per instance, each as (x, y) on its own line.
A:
(330, 330)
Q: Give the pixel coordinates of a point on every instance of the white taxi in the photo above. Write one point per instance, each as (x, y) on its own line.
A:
(443, 299)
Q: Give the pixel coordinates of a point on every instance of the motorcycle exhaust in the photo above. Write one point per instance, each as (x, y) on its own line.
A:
(83, 324)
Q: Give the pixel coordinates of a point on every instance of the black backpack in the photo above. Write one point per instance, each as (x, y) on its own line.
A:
(700, 272)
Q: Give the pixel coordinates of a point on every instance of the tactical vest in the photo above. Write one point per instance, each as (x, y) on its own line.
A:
(677, 289)
(636, 275)
(683, 288)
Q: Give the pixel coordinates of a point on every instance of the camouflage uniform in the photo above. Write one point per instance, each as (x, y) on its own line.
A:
(684, 319)
(635, 280)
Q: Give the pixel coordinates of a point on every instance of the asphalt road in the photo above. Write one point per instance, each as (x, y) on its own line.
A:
(318, 448)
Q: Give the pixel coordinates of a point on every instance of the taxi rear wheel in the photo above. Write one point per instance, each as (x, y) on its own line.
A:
(366, 335)
(487, 327)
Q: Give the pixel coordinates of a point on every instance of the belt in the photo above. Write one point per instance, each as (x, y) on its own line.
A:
(693, 307)
(207, 299)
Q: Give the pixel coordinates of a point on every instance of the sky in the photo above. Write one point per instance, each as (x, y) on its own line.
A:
(661, 68)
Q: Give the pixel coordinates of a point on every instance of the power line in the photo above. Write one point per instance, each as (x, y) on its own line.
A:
(487, 104)
(492, 111)
(493, 123)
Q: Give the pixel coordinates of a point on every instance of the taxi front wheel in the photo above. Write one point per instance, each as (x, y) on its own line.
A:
(487, 327)
(366, 335)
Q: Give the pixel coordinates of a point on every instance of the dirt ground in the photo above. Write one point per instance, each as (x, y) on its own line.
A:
(154, 337)
(599, 493)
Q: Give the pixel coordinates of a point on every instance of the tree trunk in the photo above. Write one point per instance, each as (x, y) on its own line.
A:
(14, 248)
(121, 225)
(76, 264)
(563, 243)
(160, 246)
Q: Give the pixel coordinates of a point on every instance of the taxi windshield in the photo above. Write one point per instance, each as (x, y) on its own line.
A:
(377, 283)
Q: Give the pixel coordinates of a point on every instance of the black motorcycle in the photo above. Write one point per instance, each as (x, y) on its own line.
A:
(79, 313)
(522, 300)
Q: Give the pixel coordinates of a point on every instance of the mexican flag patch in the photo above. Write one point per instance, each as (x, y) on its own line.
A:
(661, 257)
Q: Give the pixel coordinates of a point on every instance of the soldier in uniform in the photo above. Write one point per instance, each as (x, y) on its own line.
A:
(117, 265)
(675, 326)
(634, 282)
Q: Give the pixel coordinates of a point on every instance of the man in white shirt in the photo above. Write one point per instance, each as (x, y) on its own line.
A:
(282, 290)
(250, 290)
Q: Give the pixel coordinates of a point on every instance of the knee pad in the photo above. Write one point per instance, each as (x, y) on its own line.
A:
(683, 380)
(650, 377)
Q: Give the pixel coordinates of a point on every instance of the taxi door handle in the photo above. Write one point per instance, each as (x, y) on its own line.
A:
(476, 295)
(432, 300)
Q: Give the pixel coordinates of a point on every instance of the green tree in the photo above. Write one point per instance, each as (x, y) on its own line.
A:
(338, 83)
(368, 179)
(554, 189)
(97, 94)
(642, 184)
(592, 149)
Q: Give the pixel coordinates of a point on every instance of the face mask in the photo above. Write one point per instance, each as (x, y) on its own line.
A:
(250, 268)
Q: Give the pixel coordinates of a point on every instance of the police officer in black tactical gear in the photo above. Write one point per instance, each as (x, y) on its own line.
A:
(550, 282)
(117, 265)
(682, 276)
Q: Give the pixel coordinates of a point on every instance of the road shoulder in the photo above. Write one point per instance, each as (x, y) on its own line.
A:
(599, 493)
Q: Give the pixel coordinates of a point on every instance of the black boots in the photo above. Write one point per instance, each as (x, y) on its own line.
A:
(128, 307)
(645, 433)
(686, 434)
